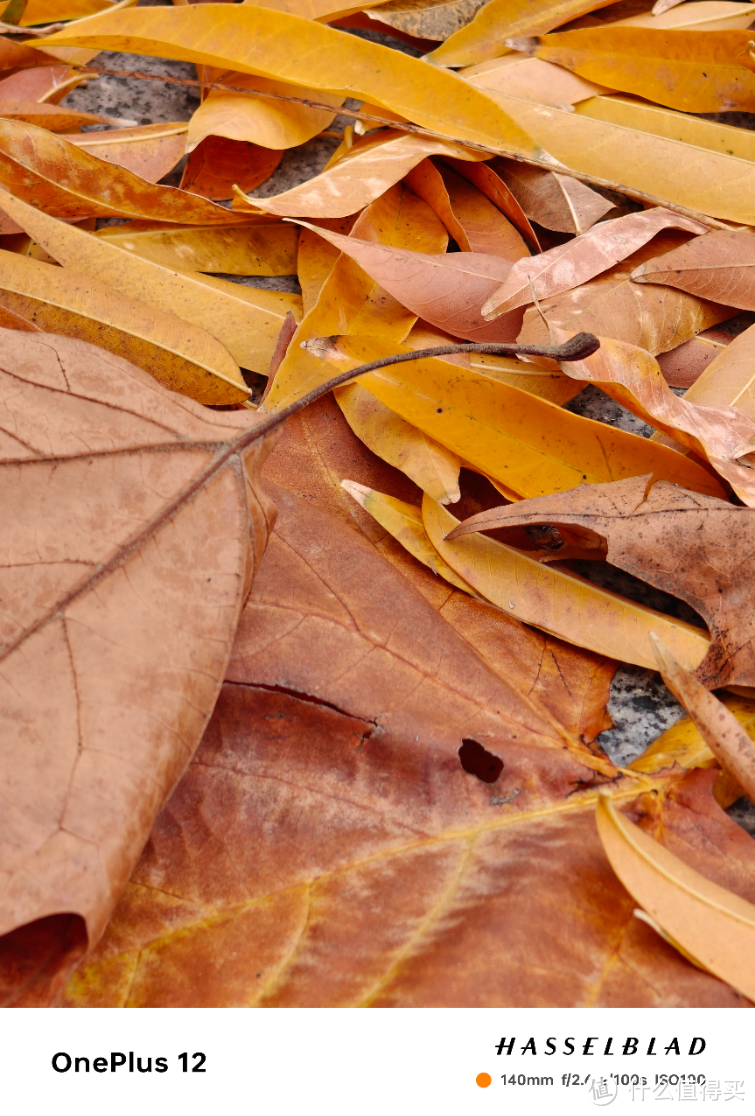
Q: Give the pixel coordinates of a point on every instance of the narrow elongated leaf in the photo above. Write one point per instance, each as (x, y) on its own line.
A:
(273, 124)
(287, 48)
(471, 219)
(218, 165)
(722, 267)
(682, 69)
(631, 376)
(720, 729)
(652, 317)
(430, 465)
(571, 264)
(151, 150)
(351, 300)
(261, 249)
(446, 289)
(245, 320)
(703, 180)
(404, 523)
(710, 925)
(54, 11)
(489, 183)
(553, 200)
(561, 603)
(66, 180)
(520, 75)
(703, 15)
(326, 10)
(359, 178)
(501, 19)
(528, 444)
(180, 355)
(108, 584)
(55, 118)
(640, 527)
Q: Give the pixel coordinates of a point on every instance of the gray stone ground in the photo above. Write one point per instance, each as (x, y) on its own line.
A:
(640, 706)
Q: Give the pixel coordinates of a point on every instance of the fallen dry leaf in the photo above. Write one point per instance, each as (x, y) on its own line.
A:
(723, 268)
(265, 248)
(495, 189)
(712, 927)
(569, 265)
(553, 200)
(383, 825)
(427, 19)
(286, 48)
(217, 165)
(679, 541)
(109, 584)
(728, 381)
(682, 69)
(683, 366)
(520, 75)
(245, 320)
(720, 729)
(150, 151)
(180, 355)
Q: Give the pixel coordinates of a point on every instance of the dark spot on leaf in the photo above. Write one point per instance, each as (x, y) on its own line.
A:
(478, 761)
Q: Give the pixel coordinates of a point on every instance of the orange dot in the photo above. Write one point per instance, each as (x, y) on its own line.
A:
(483, 1080)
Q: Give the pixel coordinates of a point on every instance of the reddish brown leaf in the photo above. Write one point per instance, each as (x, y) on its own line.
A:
(132, 529)
(719, 266)
(692, 546)
(554, 201)
(218, 164)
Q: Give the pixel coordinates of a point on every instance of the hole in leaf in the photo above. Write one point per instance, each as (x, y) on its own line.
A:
(478, 761)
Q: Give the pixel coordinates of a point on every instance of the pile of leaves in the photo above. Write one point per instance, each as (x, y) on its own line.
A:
(327, 735)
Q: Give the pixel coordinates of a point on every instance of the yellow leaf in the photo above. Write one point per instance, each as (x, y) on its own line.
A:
(521, 75)
(350, 301)
(262, 249)
(273, 124)
(712, 926)
(56, 11)
(245, 320)
(371, 167)
(180, 355)
(719, 185)
(729, 380)
(682, 69)
(707, 15)
(284, 47)
(326, 10)
(507, 19)
(683, 743)
(558, 602)
(404, 523)
(530, 445)
(431, 466)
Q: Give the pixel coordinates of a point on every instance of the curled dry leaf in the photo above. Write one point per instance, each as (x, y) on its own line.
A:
(556, 600)
(721, 730)
(495, 189)
(217, 164)
(445, 289)
(150, 151)
(121, 599)
(703, 179)
(180, 355)
(651, 317)
(268, 248)
(286, 48)
(65, 180)
(633, 378)
(470, 217)
(712, 927)
(706, 537)
(404, 825)
(519, 75)
(569, 265)
(682, 69)
(269, 123)
(722, 268)
(554, 201)
(371, 167)
(501, 19)
(245, 320)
